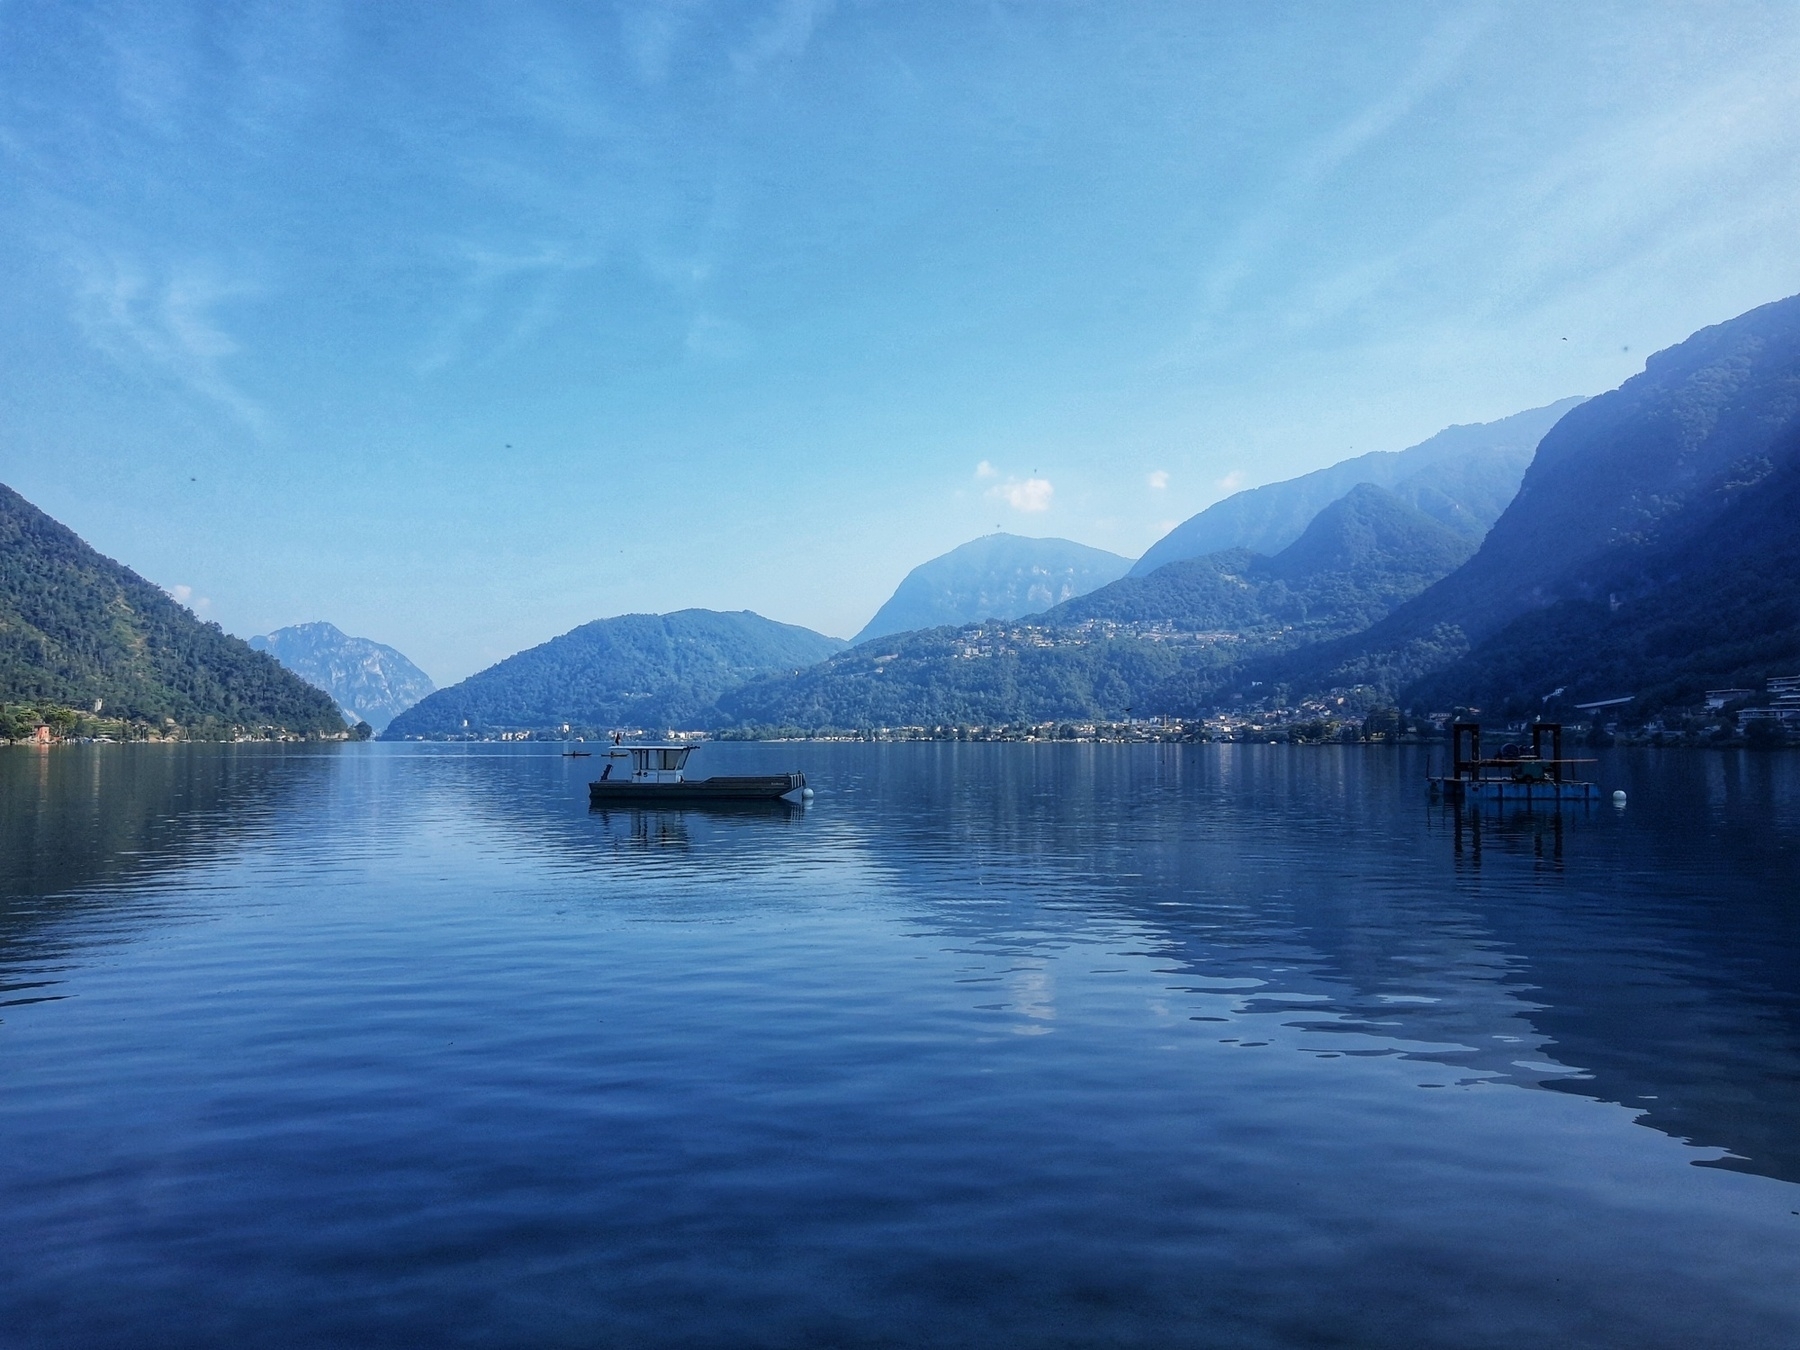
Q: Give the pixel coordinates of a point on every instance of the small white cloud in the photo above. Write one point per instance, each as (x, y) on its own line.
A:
(184, 595)
(986, 470)
(1029, 494)
(1231, 482)
(1159, 479)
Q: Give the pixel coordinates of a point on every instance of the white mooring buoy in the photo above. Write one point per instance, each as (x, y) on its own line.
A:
(1619, 797)
(807, 792)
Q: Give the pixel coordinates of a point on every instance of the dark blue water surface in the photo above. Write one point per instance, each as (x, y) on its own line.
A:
(990, 1046)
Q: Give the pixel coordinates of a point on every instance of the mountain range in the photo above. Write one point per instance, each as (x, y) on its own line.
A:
(1644, 543)
(1648, 553)
(1464, 477)
(642, 671)
(371, 682)
(1103, 653)
(81, 632)
(1000, 576)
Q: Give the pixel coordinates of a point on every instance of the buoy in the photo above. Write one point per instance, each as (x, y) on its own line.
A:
(1619, 797)
(806, 792)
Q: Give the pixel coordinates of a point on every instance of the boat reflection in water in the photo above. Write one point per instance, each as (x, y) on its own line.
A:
(679, 826)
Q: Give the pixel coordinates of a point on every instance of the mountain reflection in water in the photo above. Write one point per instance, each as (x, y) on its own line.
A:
(814, 1007)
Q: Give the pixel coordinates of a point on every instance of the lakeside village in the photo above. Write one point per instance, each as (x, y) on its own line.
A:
(53, 724)
(1766, 718)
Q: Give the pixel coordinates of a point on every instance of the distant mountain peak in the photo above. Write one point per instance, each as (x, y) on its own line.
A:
(370, 681)
(998, 576)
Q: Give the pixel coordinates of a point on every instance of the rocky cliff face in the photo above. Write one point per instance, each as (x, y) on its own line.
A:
(370, 682)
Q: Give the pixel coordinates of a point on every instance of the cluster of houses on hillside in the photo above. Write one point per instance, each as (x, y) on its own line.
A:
(1782, 703)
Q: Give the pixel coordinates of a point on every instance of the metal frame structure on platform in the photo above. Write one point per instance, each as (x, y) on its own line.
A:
(1516, 774)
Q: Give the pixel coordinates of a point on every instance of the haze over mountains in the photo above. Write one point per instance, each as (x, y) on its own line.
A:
(371, 682)
(1650, 549)
(1464, 477)
(1115, 649)
(999, 576)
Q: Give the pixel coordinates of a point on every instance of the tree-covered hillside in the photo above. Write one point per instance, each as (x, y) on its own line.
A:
(78, 629)
(1718, 607)
(637, 671)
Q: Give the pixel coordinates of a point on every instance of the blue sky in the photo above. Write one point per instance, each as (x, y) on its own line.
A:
(460, 324)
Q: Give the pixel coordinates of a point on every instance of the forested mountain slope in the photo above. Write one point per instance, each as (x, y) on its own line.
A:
(1681, 613)
(1631, 502)
(650, 671)
(78, 629)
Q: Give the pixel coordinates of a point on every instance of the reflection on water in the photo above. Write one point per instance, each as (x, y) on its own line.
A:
(111, 831)
(1092, 1044)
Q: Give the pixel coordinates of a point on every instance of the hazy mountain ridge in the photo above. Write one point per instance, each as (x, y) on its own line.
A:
(999, 576)
(1464, 477)
(651, 671)
(1624, 518)
(1100, 654)
(1718, 606)
(370, 681)
(77, 628)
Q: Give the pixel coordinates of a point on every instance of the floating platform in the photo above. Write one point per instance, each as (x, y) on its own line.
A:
(1507, 790)
(1523, 774)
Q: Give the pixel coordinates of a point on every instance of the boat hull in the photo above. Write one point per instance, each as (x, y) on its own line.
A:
(763, 788)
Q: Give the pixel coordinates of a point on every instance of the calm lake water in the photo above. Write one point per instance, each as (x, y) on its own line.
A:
(991, 1045)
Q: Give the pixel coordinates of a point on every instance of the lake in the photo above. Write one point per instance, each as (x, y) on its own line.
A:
(1022, 1045)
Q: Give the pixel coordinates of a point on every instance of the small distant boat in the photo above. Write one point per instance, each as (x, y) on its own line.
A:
(1519, 773)
(654, 772)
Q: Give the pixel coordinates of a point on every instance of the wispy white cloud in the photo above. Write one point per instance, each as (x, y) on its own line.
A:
(986, 470)
(1158, 480)
(1258, 236)
(1024, 494)
(1231, 482)
(653, 30)
(167, 323)
(503, 298)
(783, 36)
